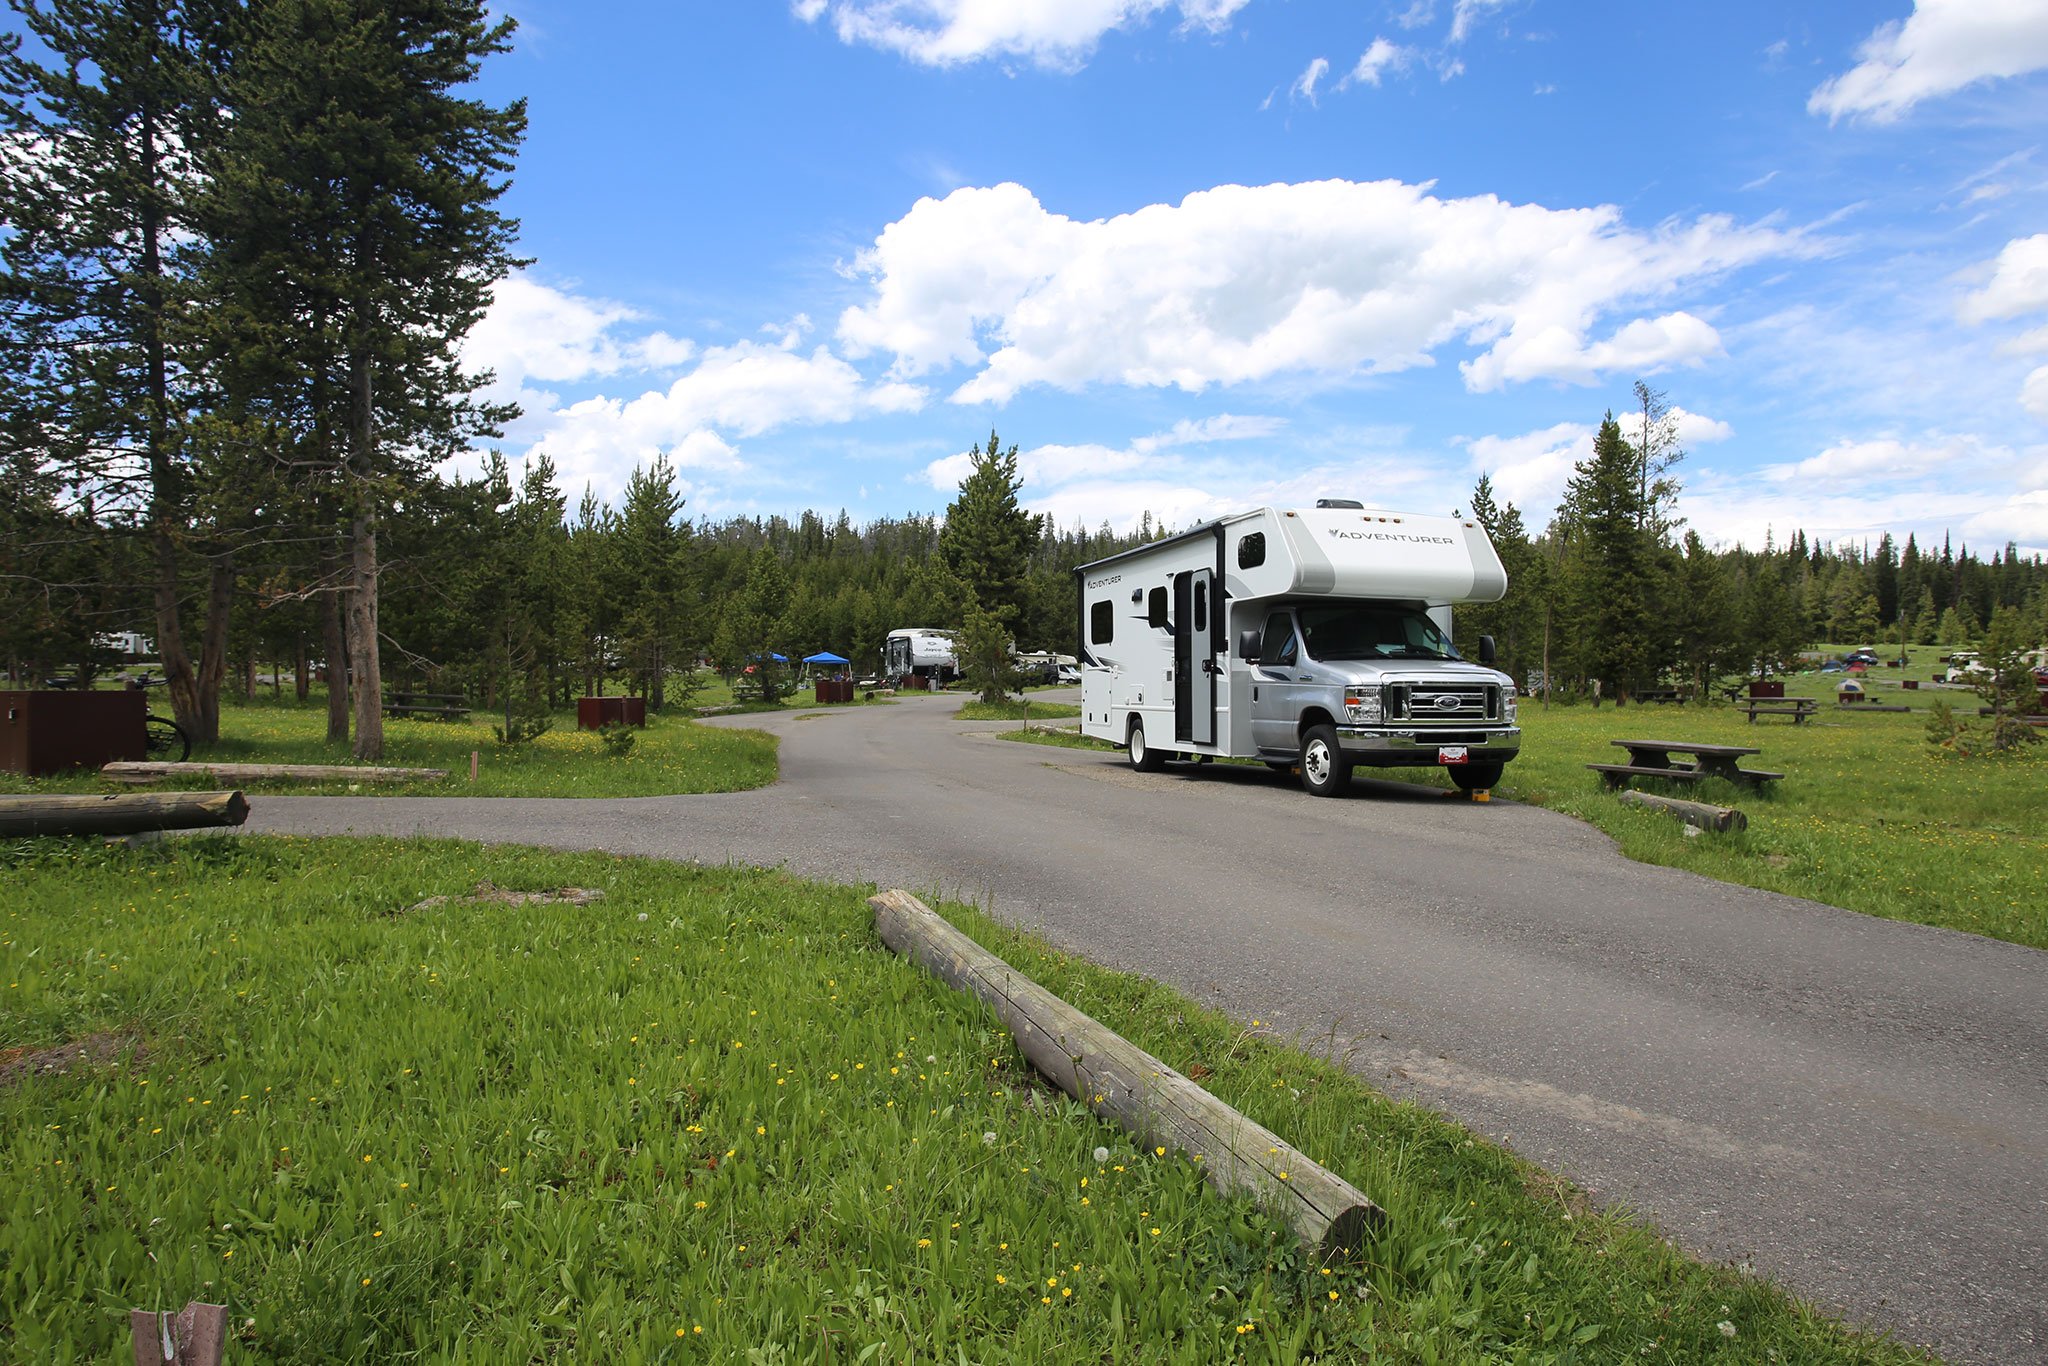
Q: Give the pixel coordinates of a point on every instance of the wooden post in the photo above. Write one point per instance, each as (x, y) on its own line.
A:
(1692, 813)
(126, 813)
(1120, 1081)
(194, 1336)
(472, 765)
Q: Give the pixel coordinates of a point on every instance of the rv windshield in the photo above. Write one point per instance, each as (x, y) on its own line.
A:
(1371, 631)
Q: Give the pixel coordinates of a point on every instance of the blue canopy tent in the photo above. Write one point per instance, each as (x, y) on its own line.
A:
(826, 657)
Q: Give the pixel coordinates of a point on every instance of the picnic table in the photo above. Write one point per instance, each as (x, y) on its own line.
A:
(1653, 759)
(1798, 708)
(448, 706)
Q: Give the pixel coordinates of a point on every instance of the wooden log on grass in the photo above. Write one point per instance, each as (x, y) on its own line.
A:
(1705, 816)
(142, 771)
(1120, 1081)
(123, 813)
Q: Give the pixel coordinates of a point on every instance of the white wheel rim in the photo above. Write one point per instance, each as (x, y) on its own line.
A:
(1317, 763)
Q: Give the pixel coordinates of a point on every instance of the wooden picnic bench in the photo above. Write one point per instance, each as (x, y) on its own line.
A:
(1798, 708)
(448, 706)
(1652, 759)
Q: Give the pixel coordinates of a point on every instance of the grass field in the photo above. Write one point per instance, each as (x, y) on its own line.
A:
(1869, 816)
(1021, 709)
(707, 1117)
(671, 755)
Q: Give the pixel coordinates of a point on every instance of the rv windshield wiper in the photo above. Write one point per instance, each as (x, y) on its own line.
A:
(1414, 652)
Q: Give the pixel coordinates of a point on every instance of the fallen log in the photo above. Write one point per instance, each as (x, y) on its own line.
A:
(1702, 814)
(1120, 1081)
(143, 771)
(125, 813)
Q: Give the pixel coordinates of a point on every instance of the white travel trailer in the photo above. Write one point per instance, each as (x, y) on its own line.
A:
(917, 652)
(1317, 638)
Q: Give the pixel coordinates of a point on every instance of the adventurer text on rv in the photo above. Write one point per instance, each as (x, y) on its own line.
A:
(1318, 637)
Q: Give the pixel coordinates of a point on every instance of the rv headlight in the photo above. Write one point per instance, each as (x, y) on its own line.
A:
(1507, 703)
(1362, 704)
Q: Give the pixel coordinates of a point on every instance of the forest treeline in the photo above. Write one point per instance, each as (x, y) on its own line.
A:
(497, 585)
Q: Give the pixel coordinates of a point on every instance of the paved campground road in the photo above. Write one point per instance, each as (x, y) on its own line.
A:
(1857, 1107)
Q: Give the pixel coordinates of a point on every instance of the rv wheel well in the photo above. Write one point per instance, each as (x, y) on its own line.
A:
(1314, 716)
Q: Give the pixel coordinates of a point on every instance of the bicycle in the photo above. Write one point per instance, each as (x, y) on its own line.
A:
(165, 741)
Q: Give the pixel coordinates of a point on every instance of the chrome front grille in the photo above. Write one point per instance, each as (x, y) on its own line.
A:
(1442, 704)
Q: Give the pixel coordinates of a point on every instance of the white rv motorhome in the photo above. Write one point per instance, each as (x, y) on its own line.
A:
(1312, 637)
(917, 652)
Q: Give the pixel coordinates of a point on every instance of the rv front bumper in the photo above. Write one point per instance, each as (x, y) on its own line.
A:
(1397, 748)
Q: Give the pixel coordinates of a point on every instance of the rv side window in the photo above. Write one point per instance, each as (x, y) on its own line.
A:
(1251, 550)
(1155, 608)
(1102, 623)
(1201, 606)
(1277, 643)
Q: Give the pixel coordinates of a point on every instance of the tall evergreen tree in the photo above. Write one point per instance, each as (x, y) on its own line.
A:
(96, 270)
(1614, 570)
(989, 538)
(354, 197)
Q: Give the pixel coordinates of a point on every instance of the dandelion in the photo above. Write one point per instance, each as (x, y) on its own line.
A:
(924, 1242)
(1727, 1328)
(700, 1204)
(989, 1138)
(1001, 1279)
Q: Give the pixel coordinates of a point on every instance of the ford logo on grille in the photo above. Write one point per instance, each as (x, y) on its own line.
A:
(1449, 701)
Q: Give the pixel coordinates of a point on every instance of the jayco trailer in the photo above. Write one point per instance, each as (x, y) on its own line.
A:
(915, 652)
(1313, 637)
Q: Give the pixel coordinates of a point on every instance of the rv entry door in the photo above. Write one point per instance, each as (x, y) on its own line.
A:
(1194, 657)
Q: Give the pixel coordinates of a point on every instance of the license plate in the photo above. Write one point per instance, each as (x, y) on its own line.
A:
(1451, 754)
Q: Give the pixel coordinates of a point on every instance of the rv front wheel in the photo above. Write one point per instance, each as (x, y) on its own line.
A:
(1144, 758)
(1325, 772)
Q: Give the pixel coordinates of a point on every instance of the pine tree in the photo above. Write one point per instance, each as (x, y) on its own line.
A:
(1613, 568)
(353, 199)
(96, 270)
(989, 538)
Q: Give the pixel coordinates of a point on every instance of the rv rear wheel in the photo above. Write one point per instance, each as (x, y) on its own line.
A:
(1325, 772)
(1144, 758)
(1474, 777)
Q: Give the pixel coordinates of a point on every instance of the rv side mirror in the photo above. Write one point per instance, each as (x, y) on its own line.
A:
(1486, 651)
(1248, 644)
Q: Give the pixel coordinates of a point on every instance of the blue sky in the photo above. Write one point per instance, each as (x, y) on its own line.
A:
(1195, 255)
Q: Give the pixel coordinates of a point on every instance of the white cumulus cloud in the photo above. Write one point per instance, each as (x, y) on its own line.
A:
(2034, 393)
(2019, 283)
(1241, 283)
(741, 390)
(1059, 34)
(1943, 46)
(533, 331)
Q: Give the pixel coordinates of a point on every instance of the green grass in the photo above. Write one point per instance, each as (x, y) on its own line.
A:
(671, 755)
(1868, 816)
(707, 1118)
(1015, 710)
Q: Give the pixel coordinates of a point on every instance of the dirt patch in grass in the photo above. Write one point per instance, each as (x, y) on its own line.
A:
(17, 1064)
(491, 891)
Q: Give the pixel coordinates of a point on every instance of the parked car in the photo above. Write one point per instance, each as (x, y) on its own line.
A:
(1068, 674)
